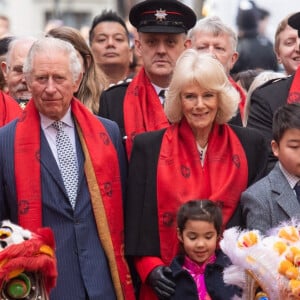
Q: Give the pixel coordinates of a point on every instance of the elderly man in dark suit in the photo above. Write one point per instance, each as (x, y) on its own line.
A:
(270, 96)
(62, 167)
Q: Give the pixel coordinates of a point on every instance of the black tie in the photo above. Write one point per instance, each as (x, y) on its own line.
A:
(162, 96)
(297, 190)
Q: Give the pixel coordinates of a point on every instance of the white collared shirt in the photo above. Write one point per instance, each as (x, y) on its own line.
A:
(291, 179)
(50, 132)
(157, 90)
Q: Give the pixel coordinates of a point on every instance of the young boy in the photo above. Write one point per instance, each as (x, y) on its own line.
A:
(273, 199)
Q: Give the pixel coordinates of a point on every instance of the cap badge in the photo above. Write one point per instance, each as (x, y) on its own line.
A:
(161, 14)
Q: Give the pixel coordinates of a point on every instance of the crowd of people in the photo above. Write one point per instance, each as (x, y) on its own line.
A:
(139, 147)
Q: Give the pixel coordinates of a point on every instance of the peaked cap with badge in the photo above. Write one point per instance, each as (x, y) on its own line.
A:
(162, 16)
(294, 21)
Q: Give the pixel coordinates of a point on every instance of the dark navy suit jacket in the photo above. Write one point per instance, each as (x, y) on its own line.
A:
(83, 271)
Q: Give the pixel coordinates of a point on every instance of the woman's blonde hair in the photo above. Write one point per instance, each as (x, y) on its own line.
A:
(206, 71)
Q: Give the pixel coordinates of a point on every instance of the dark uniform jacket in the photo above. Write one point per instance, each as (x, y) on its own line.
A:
(111, 104)
(265, 100)
(213, 275)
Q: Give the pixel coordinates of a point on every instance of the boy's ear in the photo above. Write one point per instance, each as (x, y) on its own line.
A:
(179, 235)
(275, 148)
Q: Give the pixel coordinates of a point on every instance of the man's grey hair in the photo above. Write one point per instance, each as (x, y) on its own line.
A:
(215, 26)
(17, 41)
(48, 46)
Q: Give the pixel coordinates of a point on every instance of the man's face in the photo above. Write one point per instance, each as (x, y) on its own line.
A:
(288, 52)
(159, 52)
(110, 45)
(219, 46)
(51, 84)
(13, 72)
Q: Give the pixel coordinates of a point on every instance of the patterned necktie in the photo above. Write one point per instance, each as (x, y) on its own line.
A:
(67, 161)
(297, 190)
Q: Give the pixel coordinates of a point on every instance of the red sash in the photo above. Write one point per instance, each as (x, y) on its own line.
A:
(242, 97)
(294, 93)
(104, 161)
(9, 109)
(142, 109)
(181, 177)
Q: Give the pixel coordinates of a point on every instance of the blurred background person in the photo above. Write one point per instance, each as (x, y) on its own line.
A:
(4, 43)
(4, 26)
(110, 44)
(12, 69)
(286, 46)
(93, 80)
(266, 99)
(255, 51)
(261, 78)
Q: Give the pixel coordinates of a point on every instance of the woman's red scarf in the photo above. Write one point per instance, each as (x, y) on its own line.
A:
(294, 93)
(180, 177)
(142, 109)
(9, 109)
(105, 165)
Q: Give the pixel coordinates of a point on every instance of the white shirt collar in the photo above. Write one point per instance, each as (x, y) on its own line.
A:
(67, 119)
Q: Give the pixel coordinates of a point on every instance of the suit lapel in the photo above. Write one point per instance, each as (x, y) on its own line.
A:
(80, 159)
(284, 195)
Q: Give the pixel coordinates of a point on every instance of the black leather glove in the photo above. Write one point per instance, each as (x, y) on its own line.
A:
(159, 280)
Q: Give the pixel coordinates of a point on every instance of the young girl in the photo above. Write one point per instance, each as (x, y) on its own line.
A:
(198, 270)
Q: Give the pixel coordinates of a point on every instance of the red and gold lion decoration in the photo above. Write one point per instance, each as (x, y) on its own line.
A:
(27, 262)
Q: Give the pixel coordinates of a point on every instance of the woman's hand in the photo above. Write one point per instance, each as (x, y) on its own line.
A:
(159, 280)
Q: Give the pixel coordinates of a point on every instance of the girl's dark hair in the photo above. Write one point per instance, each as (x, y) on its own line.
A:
(201, 210)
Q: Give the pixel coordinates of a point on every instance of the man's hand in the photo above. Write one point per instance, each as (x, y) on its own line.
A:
(159, 280)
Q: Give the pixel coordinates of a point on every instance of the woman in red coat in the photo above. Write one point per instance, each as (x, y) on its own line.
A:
(199, 156)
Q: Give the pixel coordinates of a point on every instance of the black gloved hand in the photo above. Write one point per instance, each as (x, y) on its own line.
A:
(159, 280)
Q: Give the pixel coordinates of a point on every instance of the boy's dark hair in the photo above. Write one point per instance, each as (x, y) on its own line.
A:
(286, 117)
(107, 16)
(200, 210)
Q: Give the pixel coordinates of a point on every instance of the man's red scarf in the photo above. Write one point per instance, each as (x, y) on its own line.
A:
(294, 93)
(104, 162)
(242, 97)
(181, 177)
(9, 109)
(142, 109)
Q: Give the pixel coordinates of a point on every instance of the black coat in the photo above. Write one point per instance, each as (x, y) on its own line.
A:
(141, 227)
(264, 102)
(186, 287)
(111, 104)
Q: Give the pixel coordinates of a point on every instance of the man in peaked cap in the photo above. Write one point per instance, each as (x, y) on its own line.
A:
(266, 99)
(162, 27)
